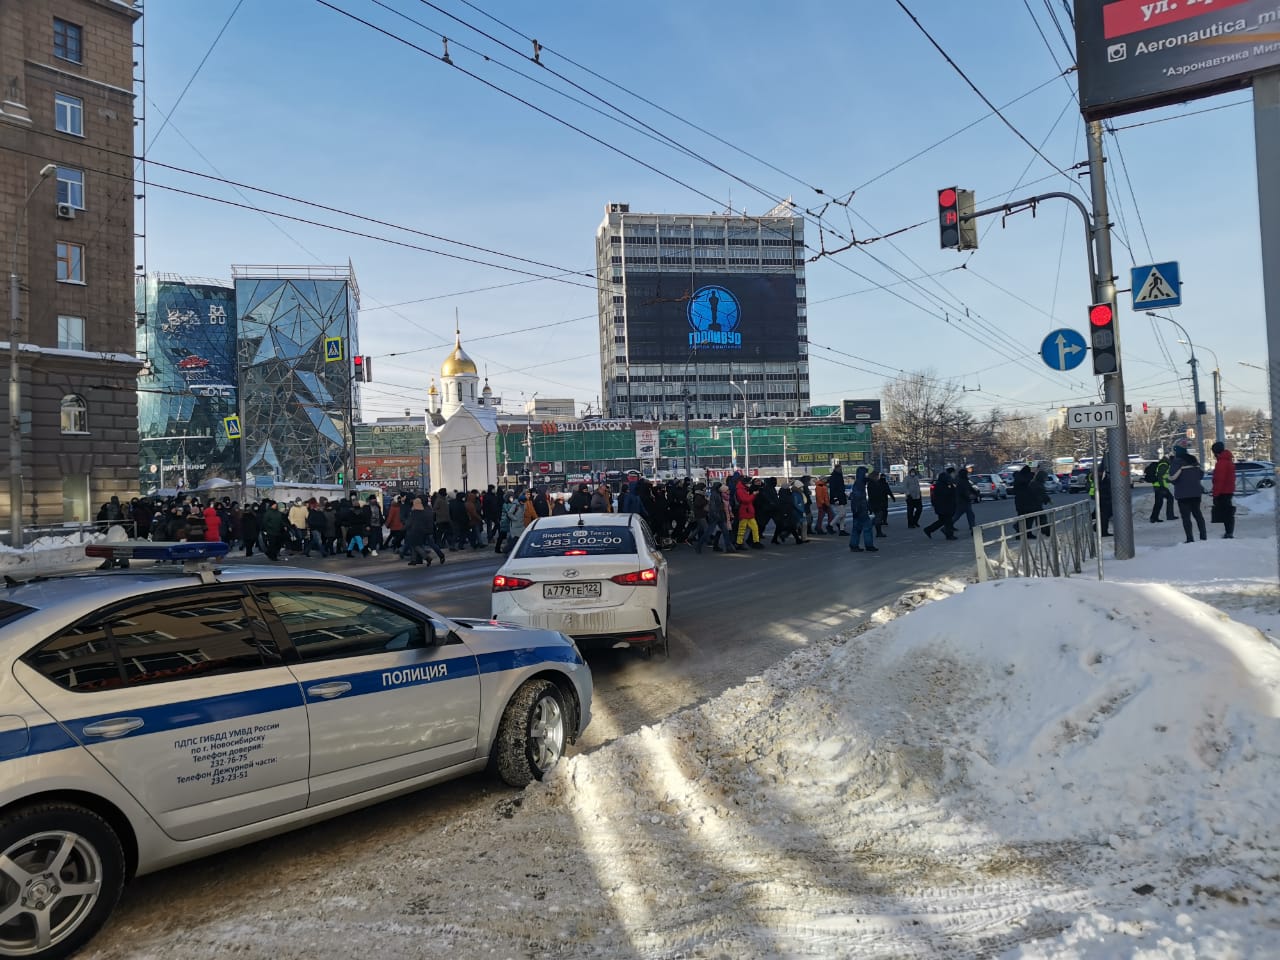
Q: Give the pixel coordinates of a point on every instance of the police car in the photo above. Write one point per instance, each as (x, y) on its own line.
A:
(152, 717)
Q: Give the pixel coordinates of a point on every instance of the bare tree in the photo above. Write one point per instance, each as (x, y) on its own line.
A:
(919, 412)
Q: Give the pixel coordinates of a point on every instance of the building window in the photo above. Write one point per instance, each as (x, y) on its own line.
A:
(70, 262)
(67, 41)
(70, 333)
(75, 498)
(75, 414)
(71, 187)
(68, 114)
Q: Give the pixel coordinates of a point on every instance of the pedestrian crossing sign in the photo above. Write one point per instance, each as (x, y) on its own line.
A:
(332, 349)
(1156, 286)
(232, 425)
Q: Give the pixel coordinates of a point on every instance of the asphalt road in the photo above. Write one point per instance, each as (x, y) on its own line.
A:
(733, 615)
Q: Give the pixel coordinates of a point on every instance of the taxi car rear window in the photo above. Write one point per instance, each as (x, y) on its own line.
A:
(10, 611)
(584, 541)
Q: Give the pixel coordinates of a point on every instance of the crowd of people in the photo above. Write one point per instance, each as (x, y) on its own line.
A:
(728, 515)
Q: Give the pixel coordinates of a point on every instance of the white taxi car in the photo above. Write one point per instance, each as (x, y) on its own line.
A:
(151, 717)
(598, 577)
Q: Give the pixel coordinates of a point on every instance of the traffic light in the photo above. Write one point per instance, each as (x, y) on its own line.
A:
(1102, 339)
(341, 476)
(368, 369)
(359, 366)
(1144, 406)
(955, 232)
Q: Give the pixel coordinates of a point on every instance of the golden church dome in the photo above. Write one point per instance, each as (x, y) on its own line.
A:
(458, 363)
(433, 391)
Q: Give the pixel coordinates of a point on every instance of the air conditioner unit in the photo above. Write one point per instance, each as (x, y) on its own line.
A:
(66, 211)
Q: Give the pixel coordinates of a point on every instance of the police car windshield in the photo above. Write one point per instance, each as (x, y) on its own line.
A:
(584, 541)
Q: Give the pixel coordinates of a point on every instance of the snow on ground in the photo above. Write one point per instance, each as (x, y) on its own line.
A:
(1024, 768)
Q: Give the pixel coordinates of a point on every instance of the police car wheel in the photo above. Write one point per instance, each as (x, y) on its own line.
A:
(532, 734)
(61, 873)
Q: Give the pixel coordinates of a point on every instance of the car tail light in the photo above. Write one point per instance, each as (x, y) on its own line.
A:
(638, 578)
(502, 583)
(575, 553)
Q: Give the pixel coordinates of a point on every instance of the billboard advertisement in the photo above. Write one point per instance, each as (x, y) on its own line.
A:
(716, 317)
(1135, 54)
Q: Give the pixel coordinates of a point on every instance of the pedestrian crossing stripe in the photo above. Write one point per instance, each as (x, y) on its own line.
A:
(332, 349)
(1156, 289)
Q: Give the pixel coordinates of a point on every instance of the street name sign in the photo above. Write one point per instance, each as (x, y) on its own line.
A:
(1063, 349)
(1097, 416)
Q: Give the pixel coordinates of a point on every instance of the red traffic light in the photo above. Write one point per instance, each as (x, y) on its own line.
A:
(1101, 314)
(359, 361)
(947, 197)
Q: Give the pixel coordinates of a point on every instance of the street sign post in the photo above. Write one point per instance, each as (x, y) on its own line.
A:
(1156, 286)
(1063, 349)
(1097, 416)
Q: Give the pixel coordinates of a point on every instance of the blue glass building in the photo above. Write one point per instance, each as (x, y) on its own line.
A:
(296, 337)
(188, 386)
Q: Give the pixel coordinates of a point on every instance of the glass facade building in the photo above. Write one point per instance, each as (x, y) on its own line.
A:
(297, 334)
(188, 387)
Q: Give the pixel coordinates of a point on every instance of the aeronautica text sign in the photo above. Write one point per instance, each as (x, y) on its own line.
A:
(1135, 54)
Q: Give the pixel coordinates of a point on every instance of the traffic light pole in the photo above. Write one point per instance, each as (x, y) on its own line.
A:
(1112, 384)
(1102, 284)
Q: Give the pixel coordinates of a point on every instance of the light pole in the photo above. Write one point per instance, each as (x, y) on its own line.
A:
(746, 430)
(1219, 428)
(15, 383)
(1195, 381)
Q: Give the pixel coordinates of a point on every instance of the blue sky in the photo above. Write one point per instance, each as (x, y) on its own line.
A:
(301, 100)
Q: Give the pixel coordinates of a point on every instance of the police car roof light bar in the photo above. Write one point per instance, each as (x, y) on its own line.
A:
(148, 550)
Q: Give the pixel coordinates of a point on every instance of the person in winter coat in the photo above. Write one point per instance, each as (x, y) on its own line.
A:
(212, 524)
(504, 523)
(1185, 474)
(475, 519)
(602, 499)
(1163, 495)
(249, 528)
(515, 514)
(839, 499)
(395, 522)
(419, 535)
(376, 520)
(915, 499)
(861, 527)
(943, 500)
(491, 510)
(879, 493)
(1025, 499)
(747, 517)
(315, 530)
(701, 527)
(541, 502)
(718, 525)
(824, 516)
(273, 524)
(446, 535)
(458, 521)
(580, 501)
(1223, 510)
(1103, 492)
(965, 495)
(358, 529)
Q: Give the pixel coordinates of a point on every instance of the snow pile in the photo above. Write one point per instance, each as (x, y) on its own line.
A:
(53, 554)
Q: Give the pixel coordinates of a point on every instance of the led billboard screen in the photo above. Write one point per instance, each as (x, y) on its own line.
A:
(1135, 54)
(712, 317)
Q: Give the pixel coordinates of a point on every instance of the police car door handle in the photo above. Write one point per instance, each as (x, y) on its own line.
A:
(116, 727)
(327, 691)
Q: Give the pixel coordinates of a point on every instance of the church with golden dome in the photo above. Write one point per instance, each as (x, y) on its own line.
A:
(462, 424)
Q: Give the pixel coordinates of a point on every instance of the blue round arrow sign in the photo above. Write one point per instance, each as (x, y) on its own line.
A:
(1063, 349)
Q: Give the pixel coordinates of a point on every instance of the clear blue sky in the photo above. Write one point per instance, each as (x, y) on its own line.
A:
(304, 101)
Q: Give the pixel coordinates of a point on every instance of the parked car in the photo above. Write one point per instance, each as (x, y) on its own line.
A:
(989, 485)
(1251, 475)
(1079, 481)
(598, 577)
(155, 716)
(1052, 484)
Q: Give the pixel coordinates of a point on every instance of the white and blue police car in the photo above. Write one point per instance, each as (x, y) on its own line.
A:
(152, 716)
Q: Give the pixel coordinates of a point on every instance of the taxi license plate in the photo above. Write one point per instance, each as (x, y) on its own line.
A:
(571, 591)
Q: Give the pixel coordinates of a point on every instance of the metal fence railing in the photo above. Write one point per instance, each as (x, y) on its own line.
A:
(1049, 543)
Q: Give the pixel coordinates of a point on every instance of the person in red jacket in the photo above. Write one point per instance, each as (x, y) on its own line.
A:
(212, 524)
(1223, 510)
(747, 516)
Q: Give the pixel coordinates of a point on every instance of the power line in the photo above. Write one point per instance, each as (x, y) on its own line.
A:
(985, 99)
(1179, 116)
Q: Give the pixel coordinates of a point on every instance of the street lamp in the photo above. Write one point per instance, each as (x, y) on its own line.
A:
(15, 384)
(1195, 379)
(746, 430)
(1219, 428)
